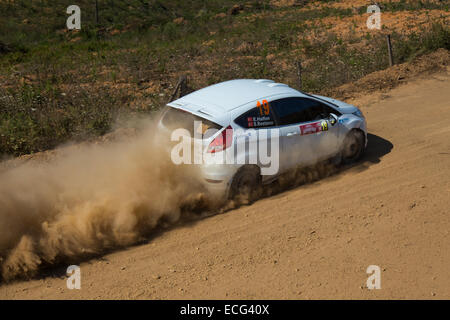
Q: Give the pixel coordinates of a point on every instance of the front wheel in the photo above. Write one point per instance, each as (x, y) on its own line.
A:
(353, 147)
(246, 185)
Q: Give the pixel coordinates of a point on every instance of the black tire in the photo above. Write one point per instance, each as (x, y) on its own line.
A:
(353, 147)
(246, 184)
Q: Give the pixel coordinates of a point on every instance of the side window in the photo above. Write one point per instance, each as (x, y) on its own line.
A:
(259, 117)
(331, 110)
(319, 110)
(295, 110)
(291, 110)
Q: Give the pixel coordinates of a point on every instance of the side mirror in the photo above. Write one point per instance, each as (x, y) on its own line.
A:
(333, 119)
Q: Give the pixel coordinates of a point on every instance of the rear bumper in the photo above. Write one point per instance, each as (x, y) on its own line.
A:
(218, 178)
(218, 190)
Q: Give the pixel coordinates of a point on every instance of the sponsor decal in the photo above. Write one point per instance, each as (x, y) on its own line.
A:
(314, 127)
(259, 122)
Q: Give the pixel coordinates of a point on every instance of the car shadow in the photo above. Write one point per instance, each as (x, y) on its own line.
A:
(377, 147)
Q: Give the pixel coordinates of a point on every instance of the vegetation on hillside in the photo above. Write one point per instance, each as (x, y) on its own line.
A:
(58, 85)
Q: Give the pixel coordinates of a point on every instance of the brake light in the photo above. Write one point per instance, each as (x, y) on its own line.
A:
(222, 141)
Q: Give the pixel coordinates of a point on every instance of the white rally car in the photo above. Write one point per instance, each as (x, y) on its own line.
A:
(308, 128)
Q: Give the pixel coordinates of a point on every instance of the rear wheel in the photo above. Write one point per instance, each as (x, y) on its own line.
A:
(353, 147)
(246, 185)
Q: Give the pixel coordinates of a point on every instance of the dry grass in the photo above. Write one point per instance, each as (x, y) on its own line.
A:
(59, 85)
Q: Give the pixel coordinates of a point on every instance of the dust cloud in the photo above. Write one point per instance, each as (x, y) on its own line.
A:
(91, 199)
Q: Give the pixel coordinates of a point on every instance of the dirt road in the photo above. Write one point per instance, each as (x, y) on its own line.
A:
(315, 241)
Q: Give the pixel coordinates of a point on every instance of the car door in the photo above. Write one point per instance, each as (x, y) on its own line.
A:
(295, 130)
(324, 129)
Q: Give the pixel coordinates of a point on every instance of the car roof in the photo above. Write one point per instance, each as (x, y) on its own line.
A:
(229, 95)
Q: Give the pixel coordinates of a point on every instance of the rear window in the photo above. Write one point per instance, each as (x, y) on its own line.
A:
(176, 118)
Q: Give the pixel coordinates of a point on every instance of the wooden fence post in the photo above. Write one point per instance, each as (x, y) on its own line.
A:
(96, 13)
(181, 88)
(299, 74)
(391, 57)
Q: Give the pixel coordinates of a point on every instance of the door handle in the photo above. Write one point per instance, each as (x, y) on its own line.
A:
(294, 133)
